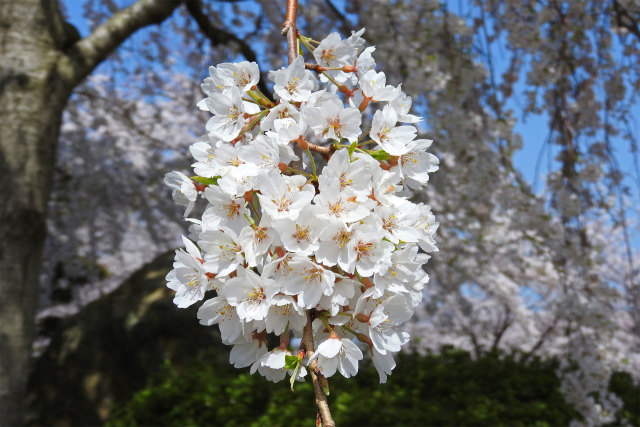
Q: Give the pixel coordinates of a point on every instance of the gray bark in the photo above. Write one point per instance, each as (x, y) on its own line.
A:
(41, 63)
(32, 98)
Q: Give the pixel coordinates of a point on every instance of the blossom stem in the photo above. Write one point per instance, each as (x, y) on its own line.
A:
(348, 329)
(249, 219)
(321, 398)
(308, 39)
(250, 125)
(253, 101)
(253, 208)
(326, 323)
(284, 340)
(306, 44)
(313, 163)
(331, 79)
(308, 175)
(363, 135)
(261, 98)
(254, 205)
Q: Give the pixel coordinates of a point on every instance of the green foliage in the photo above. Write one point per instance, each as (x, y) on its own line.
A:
(622, 384)
(206, 181)
(380, 155)
(292, 362)
(446, 389)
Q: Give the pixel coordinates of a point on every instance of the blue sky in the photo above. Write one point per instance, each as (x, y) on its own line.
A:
(533, 128)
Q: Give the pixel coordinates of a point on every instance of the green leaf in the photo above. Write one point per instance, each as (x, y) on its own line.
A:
(380, 155)
(352, 148)
(290, 362)
(206, 181)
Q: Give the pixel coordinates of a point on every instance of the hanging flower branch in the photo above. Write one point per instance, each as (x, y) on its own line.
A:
(327, 254)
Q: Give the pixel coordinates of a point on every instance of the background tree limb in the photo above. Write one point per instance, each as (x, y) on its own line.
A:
(86, 54)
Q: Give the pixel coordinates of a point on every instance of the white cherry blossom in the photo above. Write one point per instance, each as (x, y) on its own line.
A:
(184, 190)
(245, 352)
(228, 110)
(370, 254)
(333, 205)
(333, 121)
(300, 236)
(374, 86)
(309, 281)
(188, 278)
(334, 52)
(223, 250)
(402, 104)
(393, 139)
(416, 165)
(251, 294)
(285, 313)
(293, 83)
(243, 75)
(204, 151)
(272, 366)
(336, 241)
(353, 176)
(255, 241)
(334, 244)
(223, 210)
(283, 197)
(218, 311)
(337, 354)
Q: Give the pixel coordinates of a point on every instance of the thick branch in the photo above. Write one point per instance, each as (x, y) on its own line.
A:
(86, 54)
(219, 36)
(321, 398)
(54, 23)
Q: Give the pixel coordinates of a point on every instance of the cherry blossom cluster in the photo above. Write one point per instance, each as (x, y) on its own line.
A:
(306, 217)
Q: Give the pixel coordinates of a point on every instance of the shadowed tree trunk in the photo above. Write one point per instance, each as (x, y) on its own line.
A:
(43, 59)
(32, 97)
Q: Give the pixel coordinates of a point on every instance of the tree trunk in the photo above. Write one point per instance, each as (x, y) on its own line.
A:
(42, 60)
(32, 98)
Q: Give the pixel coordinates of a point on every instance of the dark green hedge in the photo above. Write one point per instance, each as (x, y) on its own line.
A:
(447, 389)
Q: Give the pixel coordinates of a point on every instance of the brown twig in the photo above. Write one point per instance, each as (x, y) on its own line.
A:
(289, 28)
(325, 150)
(321, 398)
(315, 67)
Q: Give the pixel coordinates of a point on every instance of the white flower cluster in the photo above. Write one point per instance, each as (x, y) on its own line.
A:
(280, 241)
